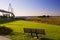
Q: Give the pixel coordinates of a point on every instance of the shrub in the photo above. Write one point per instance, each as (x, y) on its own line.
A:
(5, 30)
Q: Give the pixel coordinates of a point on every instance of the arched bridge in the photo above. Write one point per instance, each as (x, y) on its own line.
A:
(10, 14)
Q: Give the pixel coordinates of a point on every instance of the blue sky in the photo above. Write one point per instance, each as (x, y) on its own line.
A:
(32, 7)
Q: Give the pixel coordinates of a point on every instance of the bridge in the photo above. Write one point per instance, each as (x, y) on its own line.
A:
(7, 13)
(4, 11)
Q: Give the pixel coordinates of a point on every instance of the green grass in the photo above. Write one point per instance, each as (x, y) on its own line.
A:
(52, 31)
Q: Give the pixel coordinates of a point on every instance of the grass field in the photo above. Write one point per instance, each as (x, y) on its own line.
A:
(52, 31)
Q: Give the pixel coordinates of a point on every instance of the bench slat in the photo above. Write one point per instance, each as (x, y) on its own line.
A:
(31, 30)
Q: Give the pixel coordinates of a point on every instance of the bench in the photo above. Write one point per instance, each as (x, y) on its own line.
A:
(34, 31)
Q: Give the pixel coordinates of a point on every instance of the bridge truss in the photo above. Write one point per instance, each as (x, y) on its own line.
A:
(9, 13)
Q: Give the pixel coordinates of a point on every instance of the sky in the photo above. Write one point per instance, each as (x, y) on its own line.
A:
(32, 7)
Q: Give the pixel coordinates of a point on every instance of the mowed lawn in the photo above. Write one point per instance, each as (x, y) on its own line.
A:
(52, 31)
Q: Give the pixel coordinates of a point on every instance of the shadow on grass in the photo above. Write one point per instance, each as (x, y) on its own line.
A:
(20, 36)
(23, 36)
(2, 21)
(46, 39)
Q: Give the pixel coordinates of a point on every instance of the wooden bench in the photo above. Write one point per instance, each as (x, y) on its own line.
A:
(34, 31)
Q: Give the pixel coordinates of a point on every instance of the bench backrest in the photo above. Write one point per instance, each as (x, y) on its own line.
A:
(31, 30)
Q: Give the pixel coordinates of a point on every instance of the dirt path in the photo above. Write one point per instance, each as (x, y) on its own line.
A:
(4, 38)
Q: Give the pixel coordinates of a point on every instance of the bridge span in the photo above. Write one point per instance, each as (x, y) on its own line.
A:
(10, 13)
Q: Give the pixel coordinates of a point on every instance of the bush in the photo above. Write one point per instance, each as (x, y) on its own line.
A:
(5, 30)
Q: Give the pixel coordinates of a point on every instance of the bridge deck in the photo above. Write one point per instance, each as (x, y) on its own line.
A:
(5, 11)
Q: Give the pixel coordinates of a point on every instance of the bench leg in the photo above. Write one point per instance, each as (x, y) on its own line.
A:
(37, 36)
(31, 34)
